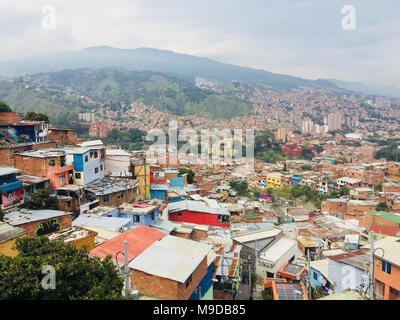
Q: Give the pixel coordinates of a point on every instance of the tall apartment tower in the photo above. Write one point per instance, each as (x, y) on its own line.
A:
(335, 121)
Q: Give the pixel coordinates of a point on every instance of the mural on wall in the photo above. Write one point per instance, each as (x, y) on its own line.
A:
(47, 226)
(12, 134)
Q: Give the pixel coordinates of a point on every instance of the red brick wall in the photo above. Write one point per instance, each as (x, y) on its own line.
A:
(7, 118)
(165, 288)
(380, 220)
(30, 227)
(129, 195)
(7, 154)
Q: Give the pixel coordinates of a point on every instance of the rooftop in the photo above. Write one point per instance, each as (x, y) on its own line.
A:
(110, 223)
(9, 232)
(70, 234)
(395, 217)
(138, 240)
(196, 206)
(22, 216)
(8, 170)
(172, 257)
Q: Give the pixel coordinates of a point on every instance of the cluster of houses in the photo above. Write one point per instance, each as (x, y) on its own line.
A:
(201, 240)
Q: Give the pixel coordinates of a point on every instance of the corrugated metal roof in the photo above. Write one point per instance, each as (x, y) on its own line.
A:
(18, 217)
(278, 249)
(172, 257)
(138, 240)
(358, 258)
(8, 170)
(197, 206)
(8, 232)
(391, 246)
(110, 223)
(258, 235)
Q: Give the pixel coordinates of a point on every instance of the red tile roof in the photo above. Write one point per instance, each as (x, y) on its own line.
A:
(138, 240)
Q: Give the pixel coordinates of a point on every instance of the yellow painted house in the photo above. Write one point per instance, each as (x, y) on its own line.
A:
(8, 235)
(142, 173)
(274, 180)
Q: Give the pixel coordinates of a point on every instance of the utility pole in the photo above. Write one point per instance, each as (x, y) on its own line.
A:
(309, 275)
(126, 273)
(222, 272)
(371, 267)
(127, 282)
(145, 178)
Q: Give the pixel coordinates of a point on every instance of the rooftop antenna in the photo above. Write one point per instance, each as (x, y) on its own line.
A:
(127, 288)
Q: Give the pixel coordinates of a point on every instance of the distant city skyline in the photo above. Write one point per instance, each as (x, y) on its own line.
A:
(304, 39)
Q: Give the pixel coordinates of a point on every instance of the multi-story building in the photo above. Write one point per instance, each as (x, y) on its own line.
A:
(11, 188)
(387, 268)
(46, 163)
(88, 164)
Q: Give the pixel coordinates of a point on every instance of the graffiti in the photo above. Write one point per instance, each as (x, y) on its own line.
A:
(47, 226)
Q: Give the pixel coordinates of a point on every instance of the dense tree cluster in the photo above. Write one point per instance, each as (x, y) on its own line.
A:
(78, 276)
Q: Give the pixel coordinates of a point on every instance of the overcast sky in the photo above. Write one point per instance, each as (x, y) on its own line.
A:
(303, 38)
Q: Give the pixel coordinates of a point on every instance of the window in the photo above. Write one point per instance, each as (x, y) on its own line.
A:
(394, 291)
(188, 281)
(62, 179)
(179, 214)
(315, 276)
(96, 170)
(52, 162)
(96, 154)
(86, 159)
(136, 218)
(91, 154)
(152, 216)
(120, 195)
(386, 267)
(106, 198)
(77, 175)
(101, 167)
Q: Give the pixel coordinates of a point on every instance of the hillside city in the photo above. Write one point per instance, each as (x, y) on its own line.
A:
(315, 215)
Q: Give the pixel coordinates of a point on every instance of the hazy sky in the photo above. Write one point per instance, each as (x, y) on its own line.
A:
(304, 38)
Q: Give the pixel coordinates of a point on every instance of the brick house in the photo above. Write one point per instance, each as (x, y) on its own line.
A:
(39, 222)
(113, 191)
(383, 218)
(171, 268)
(50, 164)
(387, 269)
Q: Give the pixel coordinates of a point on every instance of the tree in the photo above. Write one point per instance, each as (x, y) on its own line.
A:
(306, 167)
(190, 174)
(33, 116)
(42, 200)
(382, 206)
(241, 187)
(4, 107)
(78, 276)
(378, 187)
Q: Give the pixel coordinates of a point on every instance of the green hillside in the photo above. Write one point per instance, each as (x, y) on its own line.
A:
(63, 89)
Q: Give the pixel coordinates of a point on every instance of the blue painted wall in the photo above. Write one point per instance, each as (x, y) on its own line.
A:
(176, 182)
(144, 219)
(204, 284)
(158, 194)
(78, 162)
(321, 280)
